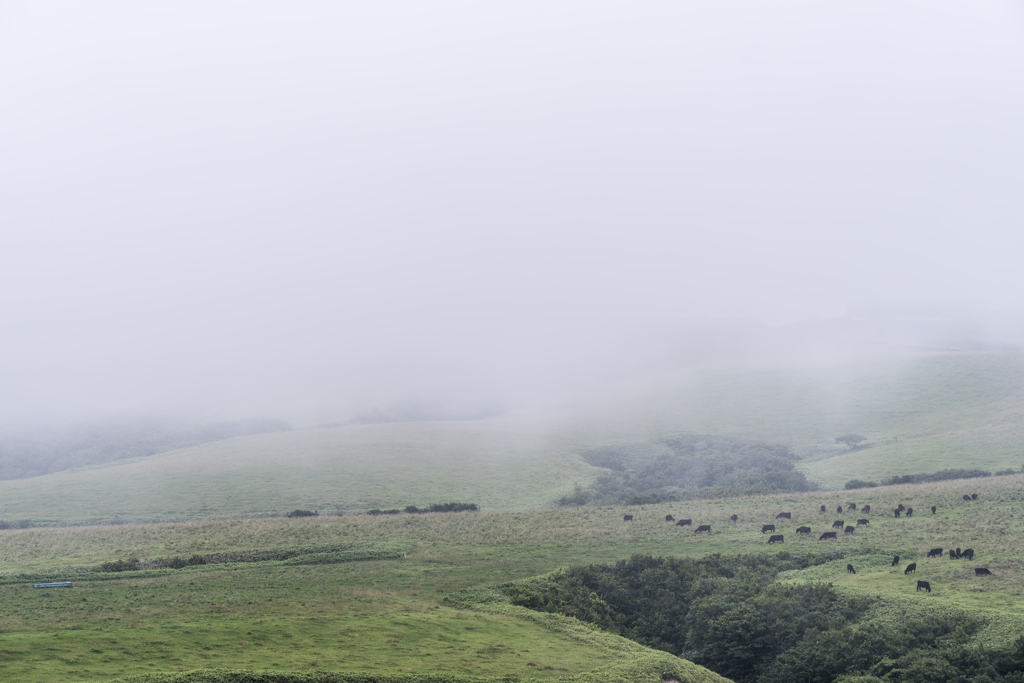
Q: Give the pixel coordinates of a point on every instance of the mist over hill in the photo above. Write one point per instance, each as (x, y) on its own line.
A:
(43, 450)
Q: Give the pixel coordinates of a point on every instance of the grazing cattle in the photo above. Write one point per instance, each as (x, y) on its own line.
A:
(974, 496)
(952, 554)
(851, 507)
(684, 522)
(777, 538)
(958, 554)
(784, 515)
(935, 552)
(933, 509)
(911, 568)
(967, 498)
(910, 512)
(925, 585)
(822, 509)
(838, 524)
(627, 518)
(733, 518)
(839, 510)
(703, 527)
(969, 554)
(803, 530)
(827, 534)
(767, 527)
(866, 509)
(982, 571)
(862, 522)
(901, 507)
(896, 512)
(895, 561)
(669, 518)
(850, 569)
(849, 529)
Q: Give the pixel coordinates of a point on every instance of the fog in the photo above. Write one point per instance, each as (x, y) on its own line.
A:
(326, 210)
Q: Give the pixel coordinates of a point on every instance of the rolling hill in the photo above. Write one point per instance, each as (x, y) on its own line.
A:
(920, 412)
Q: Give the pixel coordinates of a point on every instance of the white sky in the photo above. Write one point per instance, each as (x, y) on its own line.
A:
(319, 205)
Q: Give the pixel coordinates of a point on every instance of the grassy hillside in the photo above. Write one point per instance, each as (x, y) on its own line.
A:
(357, 615)
(496, 464)
(920, 413)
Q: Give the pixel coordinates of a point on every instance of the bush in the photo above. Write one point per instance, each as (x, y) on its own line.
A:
(859, 484)
(443, 507)
(941, 475)
(303, 513)
(130, 565)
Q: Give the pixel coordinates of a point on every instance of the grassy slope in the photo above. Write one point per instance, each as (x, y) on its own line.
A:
(369, 615)
(497, 464)
(924, 412)
(945, 409)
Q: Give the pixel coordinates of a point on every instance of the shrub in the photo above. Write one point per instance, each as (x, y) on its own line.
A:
(859, 484)
(120, 565)
(303, 513)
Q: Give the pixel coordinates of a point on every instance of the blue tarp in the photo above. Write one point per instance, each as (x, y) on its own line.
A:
(59, 584)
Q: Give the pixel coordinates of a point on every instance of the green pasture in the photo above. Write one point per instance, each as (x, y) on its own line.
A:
(920, 412)
(392, 615)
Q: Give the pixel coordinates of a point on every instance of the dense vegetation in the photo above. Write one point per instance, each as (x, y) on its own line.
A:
(682, 465)
(942, 475)
(31, 454)
(728, 614)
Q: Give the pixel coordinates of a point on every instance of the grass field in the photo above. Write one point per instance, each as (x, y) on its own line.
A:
(922, 412)
(356, 615)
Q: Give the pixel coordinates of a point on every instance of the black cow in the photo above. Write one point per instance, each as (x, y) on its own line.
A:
(866, 509)
(776, 538)
(850, 569)
(896, 512)
(862, 522)
(974, 496)
(936, 552)
(838, 524)
(849, 529)
(851, 507)
(982, 571)
(684, 522)
(925, 585)
(958, 554)
(911, 568)
(669, 518)
(910, 512)
(933, 509)
(969, 553)
(784, 515)
(895, 561)
(822, 509)
(627, 518)
(767, 527)
(733, 518)
(703, 527)
(901, 507)
(803, 529)
(839, 509)
(827, 534)
(952, 554)
(967, 498)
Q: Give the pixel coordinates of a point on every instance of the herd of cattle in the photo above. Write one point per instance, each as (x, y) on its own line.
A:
(954, 554)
